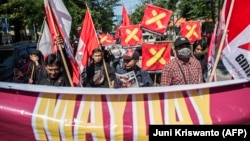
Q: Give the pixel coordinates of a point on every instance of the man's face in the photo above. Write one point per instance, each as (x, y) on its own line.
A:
(183, 52)
(53, 71)
(97, 57)
(128, 64)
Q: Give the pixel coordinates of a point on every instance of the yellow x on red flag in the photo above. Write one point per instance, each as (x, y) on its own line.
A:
(155, 56)
(156, 19)
(191, 30)
(106, 39)
(131, 35)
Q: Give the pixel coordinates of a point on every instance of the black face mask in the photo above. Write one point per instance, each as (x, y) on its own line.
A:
(198, 55)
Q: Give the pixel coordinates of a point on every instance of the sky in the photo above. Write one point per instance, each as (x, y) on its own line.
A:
(129, 5)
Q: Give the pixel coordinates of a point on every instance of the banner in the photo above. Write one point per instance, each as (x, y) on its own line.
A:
(30, 112)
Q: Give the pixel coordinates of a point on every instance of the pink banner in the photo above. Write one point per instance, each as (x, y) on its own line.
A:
(27, 115)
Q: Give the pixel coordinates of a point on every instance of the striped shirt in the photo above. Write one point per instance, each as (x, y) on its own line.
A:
(172, 75)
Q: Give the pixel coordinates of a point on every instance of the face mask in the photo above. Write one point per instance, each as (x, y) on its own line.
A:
(184, 53)
(197, 54)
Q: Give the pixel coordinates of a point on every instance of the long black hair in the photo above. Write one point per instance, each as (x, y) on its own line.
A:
(200, 42)
(39, 54)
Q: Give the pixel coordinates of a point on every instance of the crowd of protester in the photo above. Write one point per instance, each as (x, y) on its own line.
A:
(186, 66)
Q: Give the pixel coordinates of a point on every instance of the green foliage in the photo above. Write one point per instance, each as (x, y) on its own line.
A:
(189, 9)
(26, 13)
(23, 12)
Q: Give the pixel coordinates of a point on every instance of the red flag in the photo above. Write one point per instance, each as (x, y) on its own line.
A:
(106, 39)
(117, 33)
(211, 54)
(60, 24)
(125, 17)
(87, 42)
(155, 19)
(131, 35)
(234, 56)
(191, 30)
(155, 56)
(51, 25)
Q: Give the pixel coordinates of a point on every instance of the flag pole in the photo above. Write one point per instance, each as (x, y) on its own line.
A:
(32, 71)
(61, 52)
(222, 41)
(40, 36)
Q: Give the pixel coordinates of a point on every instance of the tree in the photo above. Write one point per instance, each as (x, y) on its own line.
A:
(21, 13)
(24, 14)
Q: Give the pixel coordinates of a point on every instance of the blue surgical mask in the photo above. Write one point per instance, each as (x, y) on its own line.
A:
(184, 53)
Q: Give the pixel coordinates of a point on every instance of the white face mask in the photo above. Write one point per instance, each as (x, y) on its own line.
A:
(184, 53)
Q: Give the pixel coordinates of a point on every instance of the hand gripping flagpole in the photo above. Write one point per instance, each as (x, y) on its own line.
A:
(61, 52)
(222, 41)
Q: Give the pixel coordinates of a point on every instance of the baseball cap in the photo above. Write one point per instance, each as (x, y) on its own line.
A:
(131, 54)
(180, 41)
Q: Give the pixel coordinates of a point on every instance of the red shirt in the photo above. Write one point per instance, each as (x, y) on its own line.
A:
(172, 75)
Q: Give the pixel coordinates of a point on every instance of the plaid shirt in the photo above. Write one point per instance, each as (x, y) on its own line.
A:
(172, 75)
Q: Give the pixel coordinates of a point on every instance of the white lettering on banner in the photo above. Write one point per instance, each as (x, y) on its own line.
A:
(52, 114)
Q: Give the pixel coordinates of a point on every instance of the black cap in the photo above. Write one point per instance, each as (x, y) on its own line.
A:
(180, 41)
(131, 54)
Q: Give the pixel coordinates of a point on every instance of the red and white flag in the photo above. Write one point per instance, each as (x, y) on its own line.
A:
(87, 42)
(236, 52)
(211, 54)
(125, 17)
(221, 24)
(60, 25)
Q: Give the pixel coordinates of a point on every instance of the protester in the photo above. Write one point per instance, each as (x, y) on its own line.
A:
(117, 51)
(130, 59)
(183, 69)
(199, 47)
(54, 72)
(36, 67)
(97, 73)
